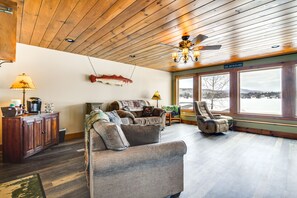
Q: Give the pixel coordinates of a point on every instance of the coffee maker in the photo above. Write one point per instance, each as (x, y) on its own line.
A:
(34, 105)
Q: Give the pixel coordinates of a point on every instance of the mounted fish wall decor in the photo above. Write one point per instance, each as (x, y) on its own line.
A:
(109, 79)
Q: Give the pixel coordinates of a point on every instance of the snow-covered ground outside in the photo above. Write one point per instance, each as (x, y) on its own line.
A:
(247, 105)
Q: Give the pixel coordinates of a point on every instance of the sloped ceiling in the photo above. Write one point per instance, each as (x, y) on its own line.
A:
(116, 29)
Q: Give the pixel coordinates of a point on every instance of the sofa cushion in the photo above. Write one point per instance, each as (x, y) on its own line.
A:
(112, 135)
(125, 114)
(142, 134)
(148, 120)
(114, 117)
(147, 111)
(127, 109)
(134, 105)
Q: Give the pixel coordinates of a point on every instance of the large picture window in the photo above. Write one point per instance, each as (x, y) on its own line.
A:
(260, 91)
(215, 90)
(185, 93)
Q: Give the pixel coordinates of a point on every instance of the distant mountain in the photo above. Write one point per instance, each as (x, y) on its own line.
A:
(250, 90)
(209, 90)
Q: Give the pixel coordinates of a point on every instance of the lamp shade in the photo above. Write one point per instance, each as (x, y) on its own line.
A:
(23, 82)
(156, 96)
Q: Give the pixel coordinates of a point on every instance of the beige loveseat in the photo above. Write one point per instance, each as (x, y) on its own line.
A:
(158, 115)
(153, 170)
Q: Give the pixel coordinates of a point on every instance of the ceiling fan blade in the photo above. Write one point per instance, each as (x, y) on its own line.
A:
(210, 47)
(198, 39)
(167, 45)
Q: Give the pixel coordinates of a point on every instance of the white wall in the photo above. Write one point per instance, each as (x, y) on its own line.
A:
(62, 78)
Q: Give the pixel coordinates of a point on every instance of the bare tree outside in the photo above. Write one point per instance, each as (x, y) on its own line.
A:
(215, 89)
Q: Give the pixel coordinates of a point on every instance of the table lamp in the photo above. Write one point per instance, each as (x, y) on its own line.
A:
(156, 96)
(23, 82)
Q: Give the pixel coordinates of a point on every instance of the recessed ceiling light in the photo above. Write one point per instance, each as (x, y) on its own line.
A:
(70, 40)
(275, 46)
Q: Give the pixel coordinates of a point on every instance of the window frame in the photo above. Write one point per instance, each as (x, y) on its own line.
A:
(288, 90)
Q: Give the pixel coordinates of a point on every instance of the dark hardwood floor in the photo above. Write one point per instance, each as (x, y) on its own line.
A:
(226, 165)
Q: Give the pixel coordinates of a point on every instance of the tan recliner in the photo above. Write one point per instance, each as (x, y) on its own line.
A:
(207, 122)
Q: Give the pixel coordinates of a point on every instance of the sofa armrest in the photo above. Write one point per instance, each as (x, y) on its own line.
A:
(200, 117)
(221, 121)
(158, 112)
(108, 160)
(217, 116)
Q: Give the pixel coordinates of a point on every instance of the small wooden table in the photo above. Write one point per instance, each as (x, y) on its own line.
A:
(169, 118)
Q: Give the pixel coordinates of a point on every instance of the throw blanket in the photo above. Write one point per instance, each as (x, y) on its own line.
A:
(90, 120)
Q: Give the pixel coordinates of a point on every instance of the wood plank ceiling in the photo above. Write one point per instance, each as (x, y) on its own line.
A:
(115, 29)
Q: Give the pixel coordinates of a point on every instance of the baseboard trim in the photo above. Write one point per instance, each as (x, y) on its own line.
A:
(266, 132)
(73, 136)
(189, 122)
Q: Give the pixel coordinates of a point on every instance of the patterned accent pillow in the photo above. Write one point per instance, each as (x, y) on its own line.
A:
(147, 111)
(112, 135)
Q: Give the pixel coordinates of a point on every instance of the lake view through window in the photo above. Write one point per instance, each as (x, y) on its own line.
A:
(186, 93)
(260, 91)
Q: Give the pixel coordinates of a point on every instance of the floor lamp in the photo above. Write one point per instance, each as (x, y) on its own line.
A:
(24, 83)
(157, 97)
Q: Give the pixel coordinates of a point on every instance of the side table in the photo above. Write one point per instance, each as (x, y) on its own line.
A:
(168, 117)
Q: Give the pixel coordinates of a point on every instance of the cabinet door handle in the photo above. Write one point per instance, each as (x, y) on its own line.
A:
(43, 132)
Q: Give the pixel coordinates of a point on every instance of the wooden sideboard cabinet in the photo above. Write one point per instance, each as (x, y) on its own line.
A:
(23, 136)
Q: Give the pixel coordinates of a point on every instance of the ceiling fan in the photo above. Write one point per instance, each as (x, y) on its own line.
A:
(186, 47)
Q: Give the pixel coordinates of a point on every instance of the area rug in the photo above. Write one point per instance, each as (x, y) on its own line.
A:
(29, 186)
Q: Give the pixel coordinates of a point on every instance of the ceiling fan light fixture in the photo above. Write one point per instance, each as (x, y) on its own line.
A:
(196, 55)
(187, 48)
(185, 51)
(174, 56)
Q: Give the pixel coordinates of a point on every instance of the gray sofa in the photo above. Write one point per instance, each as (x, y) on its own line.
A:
(151, 170)
(135, 107)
